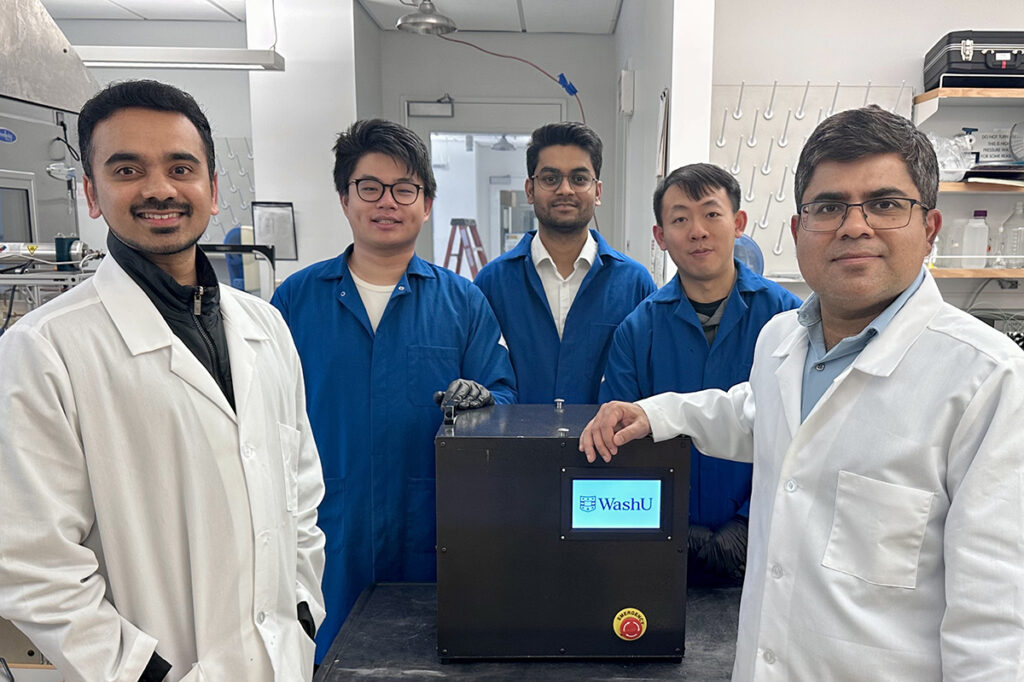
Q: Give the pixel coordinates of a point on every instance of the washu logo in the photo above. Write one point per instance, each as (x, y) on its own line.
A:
(616, 503)
(589, 503)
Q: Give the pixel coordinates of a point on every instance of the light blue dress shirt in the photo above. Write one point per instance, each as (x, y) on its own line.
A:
(821, 367)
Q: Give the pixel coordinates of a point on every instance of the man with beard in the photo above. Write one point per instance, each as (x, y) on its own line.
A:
(160, 481)
(562, 291)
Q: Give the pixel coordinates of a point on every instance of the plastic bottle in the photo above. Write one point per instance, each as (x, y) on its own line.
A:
(996, 247)
(951, 245)
(1013, 238)
(975, 242)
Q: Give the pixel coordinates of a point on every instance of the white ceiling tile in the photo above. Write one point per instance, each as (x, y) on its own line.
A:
(542, 16)
(235, 8)
(86, 9)
(468, 15)
(571, 16)
(187, 10)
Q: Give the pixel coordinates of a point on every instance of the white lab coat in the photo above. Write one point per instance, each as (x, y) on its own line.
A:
(886, 531)
(139, 513)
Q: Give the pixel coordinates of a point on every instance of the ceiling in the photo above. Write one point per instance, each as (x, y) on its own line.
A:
(153, 10)
(510, 16)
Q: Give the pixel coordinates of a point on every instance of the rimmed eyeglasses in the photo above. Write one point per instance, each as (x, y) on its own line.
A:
(883, 213)
(404, 193)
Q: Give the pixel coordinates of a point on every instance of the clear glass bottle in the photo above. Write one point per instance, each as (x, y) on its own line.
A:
(974, 247)
(1013, 238)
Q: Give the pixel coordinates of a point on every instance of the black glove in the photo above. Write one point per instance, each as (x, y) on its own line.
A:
(726, 552)
(698, 537)
(466, 394)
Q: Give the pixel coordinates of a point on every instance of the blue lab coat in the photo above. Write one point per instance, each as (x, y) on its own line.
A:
(548, 367)
(661, 347)
(370, 403)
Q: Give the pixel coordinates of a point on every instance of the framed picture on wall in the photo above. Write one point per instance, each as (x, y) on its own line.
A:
(273, 222)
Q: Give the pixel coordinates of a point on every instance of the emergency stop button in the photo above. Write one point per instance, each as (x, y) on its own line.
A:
(629, 624)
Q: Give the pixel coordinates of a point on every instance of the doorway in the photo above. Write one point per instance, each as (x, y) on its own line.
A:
(479, 161)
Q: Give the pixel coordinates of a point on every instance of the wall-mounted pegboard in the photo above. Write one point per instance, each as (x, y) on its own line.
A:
(757, 133)
(236, 188)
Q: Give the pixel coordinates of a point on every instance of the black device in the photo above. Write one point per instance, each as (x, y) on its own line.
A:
(542, 555)
(976, 59)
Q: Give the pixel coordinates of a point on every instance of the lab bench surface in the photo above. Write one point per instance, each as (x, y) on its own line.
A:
(391, 634)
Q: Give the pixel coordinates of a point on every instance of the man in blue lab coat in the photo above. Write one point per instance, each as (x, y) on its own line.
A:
(562, 291)
(379, 331)
(698, 331)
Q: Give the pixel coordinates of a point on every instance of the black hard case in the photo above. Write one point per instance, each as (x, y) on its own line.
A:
(991, 59)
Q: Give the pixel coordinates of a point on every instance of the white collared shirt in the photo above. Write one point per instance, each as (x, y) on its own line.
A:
(561, 291)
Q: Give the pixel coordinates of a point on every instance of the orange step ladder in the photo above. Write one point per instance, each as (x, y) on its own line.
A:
(469, 246)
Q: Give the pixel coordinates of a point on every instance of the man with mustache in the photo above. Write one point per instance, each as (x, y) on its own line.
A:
(886, 524)
(562, 291)
(160, 480)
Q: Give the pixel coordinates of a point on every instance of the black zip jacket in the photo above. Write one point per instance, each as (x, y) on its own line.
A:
(192, 312)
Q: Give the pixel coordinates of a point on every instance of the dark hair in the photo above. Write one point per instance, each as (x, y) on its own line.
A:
(566, 132)
(856, 133)
(383, 137)
(698, 180)
(141, 94)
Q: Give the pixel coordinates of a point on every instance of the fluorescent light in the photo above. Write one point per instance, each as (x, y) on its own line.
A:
(138, 57)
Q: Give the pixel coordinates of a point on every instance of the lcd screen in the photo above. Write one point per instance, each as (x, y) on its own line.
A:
(616, 504)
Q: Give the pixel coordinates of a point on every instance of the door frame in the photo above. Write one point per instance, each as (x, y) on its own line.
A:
(425, 240)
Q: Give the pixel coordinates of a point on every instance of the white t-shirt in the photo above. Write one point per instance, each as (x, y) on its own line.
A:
(561, 291)
(375, 298)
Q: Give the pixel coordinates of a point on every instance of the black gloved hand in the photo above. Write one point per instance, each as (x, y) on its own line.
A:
(726, 552)
(466, 394)
(698, 537)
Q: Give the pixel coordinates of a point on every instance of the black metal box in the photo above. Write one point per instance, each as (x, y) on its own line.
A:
(976, 59)
(542, 555)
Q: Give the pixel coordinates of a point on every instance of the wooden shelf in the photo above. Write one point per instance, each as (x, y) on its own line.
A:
(981, 273)
(1013, 95)
(927, 104)
(979, 187)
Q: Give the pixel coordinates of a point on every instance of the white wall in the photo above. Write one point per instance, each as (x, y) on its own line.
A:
(666, 44)
(877, 40)
(297, 114)
(424, 68)
(643, 45)
(368, 76)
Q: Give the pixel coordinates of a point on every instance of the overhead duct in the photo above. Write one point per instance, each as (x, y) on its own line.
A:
(39, 64)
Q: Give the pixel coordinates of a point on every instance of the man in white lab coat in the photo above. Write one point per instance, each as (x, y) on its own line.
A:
(885, 428)
(160, 481)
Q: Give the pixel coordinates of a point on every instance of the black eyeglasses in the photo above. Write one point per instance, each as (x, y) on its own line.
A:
(884, 213)
(403, 193)
(552, 180)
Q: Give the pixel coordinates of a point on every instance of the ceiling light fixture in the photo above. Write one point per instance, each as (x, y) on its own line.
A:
(138, 57)
(503, 145)
(425, 20)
